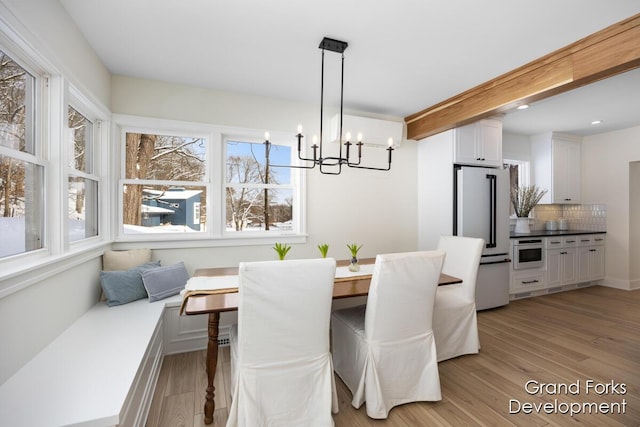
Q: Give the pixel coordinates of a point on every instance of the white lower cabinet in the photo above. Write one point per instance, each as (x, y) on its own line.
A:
(562, 261)
(591, 262)
(569, 260)
(561, 266)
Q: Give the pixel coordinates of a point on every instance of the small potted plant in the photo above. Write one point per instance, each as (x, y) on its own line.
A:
(354, 248)
(524, 199)
(282, 249)
(324, 248)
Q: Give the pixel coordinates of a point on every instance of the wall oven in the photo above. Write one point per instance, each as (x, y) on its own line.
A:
(528, 253)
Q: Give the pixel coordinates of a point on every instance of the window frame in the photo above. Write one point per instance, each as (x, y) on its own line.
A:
(39, 156)
(294, 183)
(52, 90)
(90, 112)
(215, 184)
(524, 178)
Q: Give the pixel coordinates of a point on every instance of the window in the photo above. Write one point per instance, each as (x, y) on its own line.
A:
(258, 197)
(518, 176)
(183, 181)
(164, 190)
(22, 169)
(82, 189)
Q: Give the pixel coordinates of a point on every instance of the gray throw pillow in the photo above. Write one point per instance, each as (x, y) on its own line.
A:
(164, 282)
(121, 287)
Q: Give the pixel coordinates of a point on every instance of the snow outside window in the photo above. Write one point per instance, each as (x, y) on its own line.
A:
(82, 191)
(22, 168)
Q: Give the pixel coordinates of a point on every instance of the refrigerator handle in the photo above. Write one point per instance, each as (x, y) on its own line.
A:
(492, 210)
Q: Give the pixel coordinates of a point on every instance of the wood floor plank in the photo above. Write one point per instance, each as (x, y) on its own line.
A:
(588, 333)
(153, 420)
(201, 382)
(183, 373)
(177, 410)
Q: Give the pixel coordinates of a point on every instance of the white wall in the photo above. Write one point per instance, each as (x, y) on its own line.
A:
(57, 294)
(516, 147)
(47, 27)
(372, 208)
(376, 209)
(605, 179)
(435, 184)
(634, 223)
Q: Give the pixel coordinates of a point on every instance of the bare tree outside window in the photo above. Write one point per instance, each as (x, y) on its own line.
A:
(155, 196)
(82, 182)
(21, 177)
(258, 198)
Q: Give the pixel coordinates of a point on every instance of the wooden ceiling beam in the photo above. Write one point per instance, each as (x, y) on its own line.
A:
(608, 52)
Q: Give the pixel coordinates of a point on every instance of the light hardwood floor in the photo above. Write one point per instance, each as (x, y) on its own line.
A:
(587, 334)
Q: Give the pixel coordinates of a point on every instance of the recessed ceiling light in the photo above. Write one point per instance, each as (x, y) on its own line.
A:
(523, 107)
(596, 122)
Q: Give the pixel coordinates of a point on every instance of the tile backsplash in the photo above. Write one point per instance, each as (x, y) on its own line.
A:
(580, 217)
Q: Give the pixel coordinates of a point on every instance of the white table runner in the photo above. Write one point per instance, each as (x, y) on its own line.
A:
(215, 283)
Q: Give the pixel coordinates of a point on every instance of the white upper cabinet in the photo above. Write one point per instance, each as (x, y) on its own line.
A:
(556, 166)
(479, 143)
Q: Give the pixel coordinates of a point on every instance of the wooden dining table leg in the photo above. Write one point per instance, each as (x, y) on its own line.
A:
(212, 361)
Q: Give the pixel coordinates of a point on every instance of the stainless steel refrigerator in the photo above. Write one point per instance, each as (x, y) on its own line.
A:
(481, 209)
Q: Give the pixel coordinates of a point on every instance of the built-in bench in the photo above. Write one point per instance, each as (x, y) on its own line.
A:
(101, 371)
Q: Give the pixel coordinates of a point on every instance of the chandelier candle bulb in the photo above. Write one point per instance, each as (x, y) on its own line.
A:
(390, 142)
(266, 136)
(359, 137)
(348, 136)
(299, 129)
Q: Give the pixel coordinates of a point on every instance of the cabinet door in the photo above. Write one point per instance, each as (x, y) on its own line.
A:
(566, 172)
(584, 261)
(479, 143)
(465, 150)
(554, 267)
(559, 176)
(569, 265)
(572, 194)
(489, 134)
(596, 259)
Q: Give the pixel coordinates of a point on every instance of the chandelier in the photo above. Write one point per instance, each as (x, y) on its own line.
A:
(331, 165)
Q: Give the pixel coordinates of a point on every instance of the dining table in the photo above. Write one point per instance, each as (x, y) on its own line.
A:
(213, 304)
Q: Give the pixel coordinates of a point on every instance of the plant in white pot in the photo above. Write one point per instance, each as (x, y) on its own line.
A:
(524, 199)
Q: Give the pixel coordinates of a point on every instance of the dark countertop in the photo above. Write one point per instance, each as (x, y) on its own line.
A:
(547, 233)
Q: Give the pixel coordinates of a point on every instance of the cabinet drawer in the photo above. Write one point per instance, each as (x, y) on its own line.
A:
(527, 282)
(554, 242)
(598, 239)
(570, 241)
(585, 240)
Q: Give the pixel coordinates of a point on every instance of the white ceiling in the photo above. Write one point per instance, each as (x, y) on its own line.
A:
(403, 56)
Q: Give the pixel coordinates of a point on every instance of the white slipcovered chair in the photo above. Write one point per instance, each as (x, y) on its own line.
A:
(385, 352)
(455, 324)
(281, 367)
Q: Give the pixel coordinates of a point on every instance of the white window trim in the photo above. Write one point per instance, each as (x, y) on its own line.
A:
(21, 270)
(214, 180)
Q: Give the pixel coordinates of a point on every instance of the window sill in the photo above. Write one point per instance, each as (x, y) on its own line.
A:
(179, 242)
(20, 275)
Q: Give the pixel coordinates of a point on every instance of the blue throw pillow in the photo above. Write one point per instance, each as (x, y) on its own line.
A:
(163, 282)
(121, 287)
